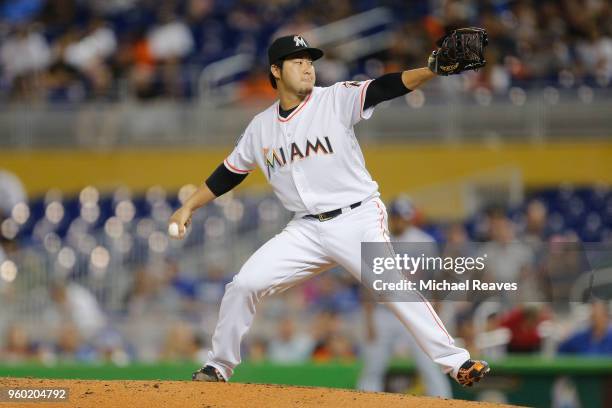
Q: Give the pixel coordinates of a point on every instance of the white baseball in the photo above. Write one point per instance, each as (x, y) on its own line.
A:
(173, 230)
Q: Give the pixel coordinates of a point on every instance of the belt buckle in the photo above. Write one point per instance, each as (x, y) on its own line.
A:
(322, 217)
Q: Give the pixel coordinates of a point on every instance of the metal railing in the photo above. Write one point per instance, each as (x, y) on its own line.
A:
(439, 113)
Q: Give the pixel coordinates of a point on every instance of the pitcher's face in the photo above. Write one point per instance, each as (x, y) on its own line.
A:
(298, 74)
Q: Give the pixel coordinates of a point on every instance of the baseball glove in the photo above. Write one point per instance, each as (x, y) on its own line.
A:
(461, 50)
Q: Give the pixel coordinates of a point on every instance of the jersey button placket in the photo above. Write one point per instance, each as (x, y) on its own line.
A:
(301, 185)
(296, 172)
(301, 180)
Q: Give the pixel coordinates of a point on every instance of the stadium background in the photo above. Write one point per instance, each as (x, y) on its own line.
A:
(113, 110)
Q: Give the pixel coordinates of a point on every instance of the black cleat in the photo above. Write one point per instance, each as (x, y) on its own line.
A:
(471, 372)
(208, 374)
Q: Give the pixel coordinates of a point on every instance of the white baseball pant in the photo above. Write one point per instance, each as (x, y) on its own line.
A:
(303, 249)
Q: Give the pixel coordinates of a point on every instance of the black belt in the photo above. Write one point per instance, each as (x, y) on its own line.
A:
(326, 216)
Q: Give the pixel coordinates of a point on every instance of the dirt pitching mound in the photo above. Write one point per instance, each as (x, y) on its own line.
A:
(183, 394)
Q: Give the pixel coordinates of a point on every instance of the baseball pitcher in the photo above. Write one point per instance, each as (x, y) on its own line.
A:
(305, 145)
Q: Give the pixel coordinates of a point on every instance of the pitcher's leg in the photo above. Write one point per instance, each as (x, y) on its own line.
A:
(423, 323)
(291, 256)
(368, 223)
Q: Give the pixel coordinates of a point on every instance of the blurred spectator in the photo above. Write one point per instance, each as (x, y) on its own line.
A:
(169, 42)
(211, 288)
(536, 216)
(63, 84)
(180, 343)
(17, 346)
(336, 291)
(89, 53)
(458, 245)
(160, 47)
(523, 323)
(12, 192)
(171, 38)
(97, 44)
(509, 260)
(456, 235)
(69, 344)
(143, 290)
(74, 304)
(288, 346)
(560, 268)
(144, 82)
(337, 347)
(331, 343)
(594, 340)
(159, 287)
(23, 56)
(178, 284)
(403, 218)
(111, 347)
(483, 223)
(257, 351)
(205, 29)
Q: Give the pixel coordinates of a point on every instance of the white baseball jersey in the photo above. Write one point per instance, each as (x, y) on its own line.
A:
(311, 158)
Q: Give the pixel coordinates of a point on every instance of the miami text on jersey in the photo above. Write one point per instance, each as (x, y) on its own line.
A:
(278, 157)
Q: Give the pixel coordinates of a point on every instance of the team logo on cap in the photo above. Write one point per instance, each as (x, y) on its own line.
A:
(299, 41)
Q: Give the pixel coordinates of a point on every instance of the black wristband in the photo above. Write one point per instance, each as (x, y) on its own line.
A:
(223, 180)
(384, 88)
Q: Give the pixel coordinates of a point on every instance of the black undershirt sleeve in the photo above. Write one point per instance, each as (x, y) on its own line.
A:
(222, 180)
(384, 88)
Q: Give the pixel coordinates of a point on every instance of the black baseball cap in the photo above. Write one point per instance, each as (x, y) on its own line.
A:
(283, 47)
